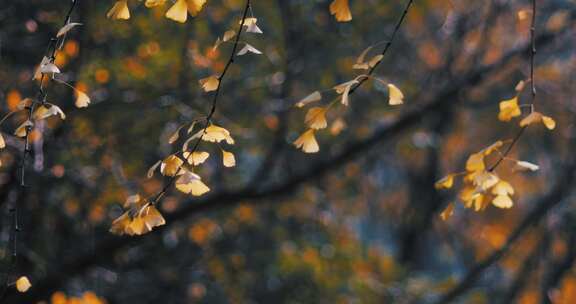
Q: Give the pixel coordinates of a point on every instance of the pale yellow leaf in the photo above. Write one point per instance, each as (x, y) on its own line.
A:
(228, 159)
(314, 97)
(396, 96)
(210, 84)
(23, 284)
(197, 157)
(316, 118)
(119, 11)
(341, 10)
(509, 109)
(307, 141)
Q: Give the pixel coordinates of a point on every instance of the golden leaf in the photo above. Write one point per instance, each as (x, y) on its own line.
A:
(341, 10)
(502, 188)
(209, 84)
(191, 183)
(475, 162)
(509, 109)
(314, 97)
(344, 89)
(171, 165)
(119, 11)
(536, 117)
(316, 118)
(2, 142)
(307, 142)
(214, 134)
(22, 130)
(228, 159)
(396, 96)
(178, 12)
(447, 212)
(502, 201)
(197, 158)
(445, 183)
(82, 100)
(152, 217)
(153, 168)
(485, 180)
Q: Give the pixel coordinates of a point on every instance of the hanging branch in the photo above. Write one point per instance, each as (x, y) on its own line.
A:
(208, 118)
(54, 45)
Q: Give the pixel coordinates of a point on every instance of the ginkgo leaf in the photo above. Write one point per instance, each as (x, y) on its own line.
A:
(154, 3)
(526, 166)
(503, 188)
(45, 111)
(178, 12)
(191, 183)
(171, 165)
(509, 109)
(492, 148)
(447, 212)
(119, 11)
(503, 201)
(195, 6)
(316, 118)
(82, 99)
(174, 137)
(65, 29)
(2, 142)
(520, 86)
(475, 162)
(249, 21)
(214, 133)
(228, 35)
(361, 58)
(120, 224)
(228, 159)
(23, 284)
(152, 217)
(344, 89)
(445, 183)
(197, 157)
(314, 97)
(137, 226)
(248, 49)
(209, 84)
(375, 60)
(150, 172)
(485, 180)
(22, 130)
(307, 141)
(341, 10)
(396, 96)
(536, 117)
(37, 73)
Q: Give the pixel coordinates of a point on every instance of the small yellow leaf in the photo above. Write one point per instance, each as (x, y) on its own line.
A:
(119, 11)
(171, 165)
(509, 109)
(524, 165)
(82, 100)
(475, 162)
(214, 134)
(492, 148)
(536, 117)
(341, 10)
(45, 111)
(23, 284)
(197, 157)
(228, 159)
(316, 118)
(316, 96)
(152, 217)
(178, 12)
(503, 201)
(22, 130)
(210, 84)
(502, 188)
(307, 142)
(191, 183)
(445, 183)
(228, 35)
(2, 142)
(344, 89)
(485, 180)
(195, 6)
(152, 169)
(396, 96)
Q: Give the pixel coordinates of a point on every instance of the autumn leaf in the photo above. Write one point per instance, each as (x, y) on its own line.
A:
(526, 166)
(82, 100)
(314, 97)
(445, 183)
(197, 157)
(65, 29)
(316, 118)
(23, 284)
(509, 109)
(341, 10)
(307, 142)
(344, 90)
(536, 117)
(215, 134)
(396, 96)
(190, 183)
(119, 11)
(179, 11)
(228, 159)
(209, 84)
(170, 165)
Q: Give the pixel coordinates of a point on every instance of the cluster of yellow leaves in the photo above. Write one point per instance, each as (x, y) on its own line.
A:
(315, 118)
(139, 218)
(481, 185)
(178, 11)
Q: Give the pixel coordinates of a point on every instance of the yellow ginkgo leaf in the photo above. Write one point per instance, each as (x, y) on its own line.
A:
(209, 84)
(316, 118)
(120, 224)
(178, 12)
(445, 183)
(82, 100)
(475, 162)
(43, 112)
(228, 159)
(214, 134)
(396, 96)
(307, 141)
(536, 117)
(191, 183)
(152, 217)
(502, 188)
(171, 165)
(341, 10)
(509, 109)
(314, 97)
(485, 180)
(119, 11)
(197, 157)
(492, 148)
(23, 284)
(2, 142)
(447, 212)
(195, 6)
(151, 170)
(137, 226)
(502, 201)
